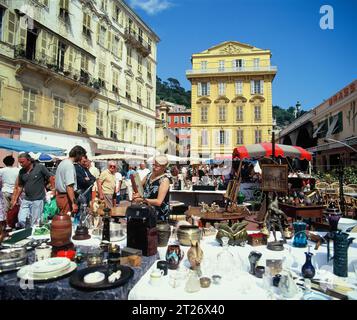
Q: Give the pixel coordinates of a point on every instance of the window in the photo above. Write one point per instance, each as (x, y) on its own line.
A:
(11, 28)
(138, 98)
(128, 89)
(104, 5)
(204, 137)
(116, 13)
(238, 64)
(221, 88)
(204, 114)
(149, 70)
(183, 120)
(82, 119)
(240, 136)
(149, 44)
(120, 53)
(28, 105)
(221, 65)
(86, 25)
(258, 136)
(64, 9)
(148, 99)
(115, 45)
(203, 65)
(256, 86)
(203, 89)
(101, 74)
(239, 113)
(58, 113)
(323, 125)
(140, 62)
(222, 137)
(256, 63)
(102, 33)
(188, 119)
(2, 11)
(128, 56)
(176, 119)
(60, 55)
(84, 68)
(114, 127)
(257, 113)
(115, 85)
(222, 113)
(239, 87)
(168, 119)
(141, 36)
(99, 123)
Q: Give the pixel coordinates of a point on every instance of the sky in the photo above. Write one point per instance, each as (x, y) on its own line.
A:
(313, 63)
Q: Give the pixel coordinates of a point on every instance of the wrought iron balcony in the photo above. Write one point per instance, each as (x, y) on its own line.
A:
(232, 70)
(137, 41)
(54, 69)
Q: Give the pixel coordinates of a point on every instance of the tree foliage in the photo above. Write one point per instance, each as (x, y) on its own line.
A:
(172, 91)
(285, 116)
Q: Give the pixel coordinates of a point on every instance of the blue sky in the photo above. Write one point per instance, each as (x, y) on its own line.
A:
(313, 63)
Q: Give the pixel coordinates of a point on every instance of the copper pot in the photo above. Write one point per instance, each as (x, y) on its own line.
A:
(61, 230)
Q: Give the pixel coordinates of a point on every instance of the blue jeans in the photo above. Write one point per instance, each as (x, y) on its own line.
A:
(32, 209)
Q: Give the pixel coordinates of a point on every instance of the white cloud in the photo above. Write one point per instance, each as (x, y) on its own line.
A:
(151, 6)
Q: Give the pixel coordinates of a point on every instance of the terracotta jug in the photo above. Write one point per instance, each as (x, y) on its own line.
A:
(61, 230)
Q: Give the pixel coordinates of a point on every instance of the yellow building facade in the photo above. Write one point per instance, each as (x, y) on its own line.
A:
(231, 87)
(78, 72)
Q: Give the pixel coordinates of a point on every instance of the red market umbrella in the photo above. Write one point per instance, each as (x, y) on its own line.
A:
(265, 150)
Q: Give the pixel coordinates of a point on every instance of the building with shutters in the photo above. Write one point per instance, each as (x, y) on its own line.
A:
(231, 98)
(78, 72)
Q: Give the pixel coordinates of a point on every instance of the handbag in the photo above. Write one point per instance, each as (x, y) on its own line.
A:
(11, 216)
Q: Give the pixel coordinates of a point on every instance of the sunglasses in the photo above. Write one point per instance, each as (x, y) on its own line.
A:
(112, 166)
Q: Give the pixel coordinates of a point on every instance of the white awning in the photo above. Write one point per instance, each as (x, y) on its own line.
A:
(107, 145)
(318, 130)
(332, 126)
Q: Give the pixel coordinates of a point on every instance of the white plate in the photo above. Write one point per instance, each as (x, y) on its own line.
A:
(94, 277)
(50, 265)
(25, 273)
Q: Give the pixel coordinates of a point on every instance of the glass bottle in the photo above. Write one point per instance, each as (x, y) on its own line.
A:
(300, 237)
(193, 282)
(225, 261)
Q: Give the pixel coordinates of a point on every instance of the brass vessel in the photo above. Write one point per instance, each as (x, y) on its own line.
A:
(187, 234)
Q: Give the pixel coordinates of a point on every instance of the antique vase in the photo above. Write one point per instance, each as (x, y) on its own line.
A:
(174, 255)
(253, 258)
(308, 270)
(300, 237)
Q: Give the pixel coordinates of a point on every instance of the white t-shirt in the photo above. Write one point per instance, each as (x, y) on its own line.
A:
(118, 178)
(143, 173)
(8, 176)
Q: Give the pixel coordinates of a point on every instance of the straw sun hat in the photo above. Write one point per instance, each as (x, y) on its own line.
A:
(162, 160)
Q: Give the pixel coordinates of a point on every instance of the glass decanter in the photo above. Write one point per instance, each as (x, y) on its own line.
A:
(226, 265)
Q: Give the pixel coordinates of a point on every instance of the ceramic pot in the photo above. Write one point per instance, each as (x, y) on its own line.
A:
(195, 255)
(163, 233)
(174, 255)
(187, 234)
(61, 230)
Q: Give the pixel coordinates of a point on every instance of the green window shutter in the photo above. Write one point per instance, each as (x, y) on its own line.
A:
(11, 27)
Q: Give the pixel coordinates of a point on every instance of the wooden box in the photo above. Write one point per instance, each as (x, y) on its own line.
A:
(257, 239)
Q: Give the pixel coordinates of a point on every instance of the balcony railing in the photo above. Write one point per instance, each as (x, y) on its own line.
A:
(4, 2)
(61, 69)
(231, 70)
(136, 40)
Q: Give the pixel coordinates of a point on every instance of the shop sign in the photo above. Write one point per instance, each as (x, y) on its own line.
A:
(342, 94)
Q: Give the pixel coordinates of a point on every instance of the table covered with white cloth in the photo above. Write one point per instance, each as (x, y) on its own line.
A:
(237, 283)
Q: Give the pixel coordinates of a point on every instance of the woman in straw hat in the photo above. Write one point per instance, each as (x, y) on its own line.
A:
(157, 188)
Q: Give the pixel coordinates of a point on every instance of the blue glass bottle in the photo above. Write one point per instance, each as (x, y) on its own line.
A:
(300, 237)
(308, 270)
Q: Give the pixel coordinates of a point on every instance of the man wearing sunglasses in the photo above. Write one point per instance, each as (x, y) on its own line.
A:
(106, 185)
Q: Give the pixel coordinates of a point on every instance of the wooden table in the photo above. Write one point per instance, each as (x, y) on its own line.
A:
(302, 211)
(216, 216)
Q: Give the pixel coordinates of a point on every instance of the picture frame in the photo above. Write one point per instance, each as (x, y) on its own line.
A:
(275, 177)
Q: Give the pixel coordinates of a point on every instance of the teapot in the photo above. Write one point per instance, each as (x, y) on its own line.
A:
(341, 243)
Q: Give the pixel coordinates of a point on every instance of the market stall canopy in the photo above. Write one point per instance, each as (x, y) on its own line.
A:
(26, 146)
(172, 159)
(265, 150)
(117, 156)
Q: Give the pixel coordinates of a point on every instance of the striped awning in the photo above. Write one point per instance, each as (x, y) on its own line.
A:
(265, 150)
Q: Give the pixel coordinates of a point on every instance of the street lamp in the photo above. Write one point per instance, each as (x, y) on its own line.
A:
(340, 172)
